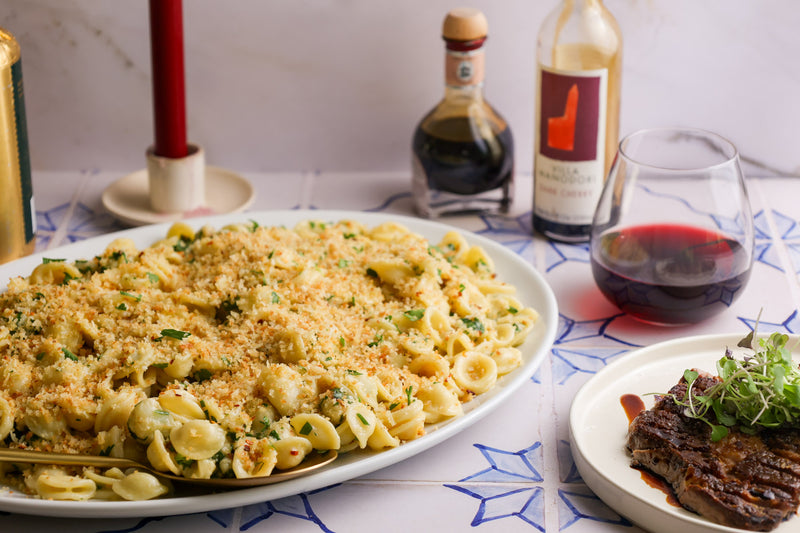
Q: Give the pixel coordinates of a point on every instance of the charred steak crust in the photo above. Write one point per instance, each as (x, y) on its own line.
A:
(745, 481)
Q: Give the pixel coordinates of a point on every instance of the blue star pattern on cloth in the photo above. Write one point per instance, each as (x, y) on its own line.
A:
(790, 325)
(579, 503)
(573, 355)
(298, 506)
(497, 486)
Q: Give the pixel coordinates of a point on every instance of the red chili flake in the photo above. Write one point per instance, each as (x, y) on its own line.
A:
(295, 452)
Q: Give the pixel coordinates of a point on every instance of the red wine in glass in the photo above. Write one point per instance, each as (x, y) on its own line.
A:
(669, 273)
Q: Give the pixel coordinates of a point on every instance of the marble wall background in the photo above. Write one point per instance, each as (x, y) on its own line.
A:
(338, 85)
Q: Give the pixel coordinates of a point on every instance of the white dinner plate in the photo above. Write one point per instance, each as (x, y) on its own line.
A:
(532, 290)
(598, 426)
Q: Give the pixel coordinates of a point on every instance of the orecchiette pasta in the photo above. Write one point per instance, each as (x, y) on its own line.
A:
(237, 353)
(475, 371)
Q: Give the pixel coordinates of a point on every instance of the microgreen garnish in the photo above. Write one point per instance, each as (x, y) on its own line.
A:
(761, 390)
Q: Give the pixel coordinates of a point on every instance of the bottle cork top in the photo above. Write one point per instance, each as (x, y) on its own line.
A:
(464, 24)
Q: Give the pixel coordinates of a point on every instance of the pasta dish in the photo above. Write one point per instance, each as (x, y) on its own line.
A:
(236, 352)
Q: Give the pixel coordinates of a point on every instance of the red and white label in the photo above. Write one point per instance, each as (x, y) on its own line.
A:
(570, 144)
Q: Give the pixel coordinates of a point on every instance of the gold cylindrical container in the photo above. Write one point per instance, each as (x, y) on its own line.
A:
(17, 214)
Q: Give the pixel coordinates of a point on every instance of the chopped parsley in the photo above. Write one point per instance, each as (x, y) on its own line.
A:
(183, 461)
(175, 334)
(414, 314)
(473, 323)
(137, 297)
(202, 375)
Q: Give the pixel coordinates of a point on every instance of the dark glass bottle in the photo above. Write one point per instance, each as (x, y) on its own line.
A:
(463, 150)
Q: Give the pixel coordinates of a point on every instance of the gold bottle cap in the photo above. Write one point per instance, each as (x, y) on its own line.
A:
(464, 24)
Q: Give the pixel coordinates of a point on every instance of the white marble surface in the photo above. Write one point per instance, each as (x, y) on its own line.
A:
(337, 85)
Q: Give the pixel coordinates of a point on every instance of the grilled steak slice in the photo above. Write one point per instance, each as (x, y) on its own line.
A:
(745, 481)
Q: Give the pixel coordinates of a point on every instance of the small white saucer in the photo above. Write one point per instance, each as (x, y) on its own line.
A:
(128, 198)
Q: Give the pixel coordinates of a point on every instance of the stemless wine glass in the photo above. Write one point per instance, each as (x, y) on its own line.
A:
(672, 236)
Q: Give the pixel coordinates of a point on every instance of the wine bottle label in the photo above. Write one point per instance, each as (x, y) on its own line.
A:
(462, 69)
(570, 144)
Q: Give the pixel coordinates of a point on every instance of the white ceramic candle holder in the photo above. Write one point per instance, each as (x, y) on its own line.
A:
(171, 189)
(177, 184)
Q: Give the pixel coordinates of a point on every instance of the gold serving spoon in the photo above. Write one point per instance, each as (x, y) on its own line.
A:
(313, 461)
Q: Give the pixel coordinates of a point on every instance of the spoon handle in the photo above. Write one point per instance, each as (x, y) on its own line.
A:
(16, 455)
(65, 459)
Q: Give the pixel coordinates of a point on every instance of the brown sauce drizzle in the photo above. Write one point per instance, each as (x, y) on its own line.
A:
(633, 405)
(659, 483)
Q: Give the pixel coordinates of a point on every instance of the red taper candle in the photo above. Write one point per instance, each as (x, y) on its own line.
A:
(169, 92)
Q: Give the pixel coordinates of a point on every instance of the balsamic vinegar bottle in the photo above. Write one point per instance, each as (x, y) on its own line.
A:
(463, 151)
(579, 53)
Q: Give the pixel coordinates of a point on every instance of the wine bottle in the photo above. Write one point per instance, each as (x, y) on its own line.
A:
(579, 55)
(463, 150)
(17, 214)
